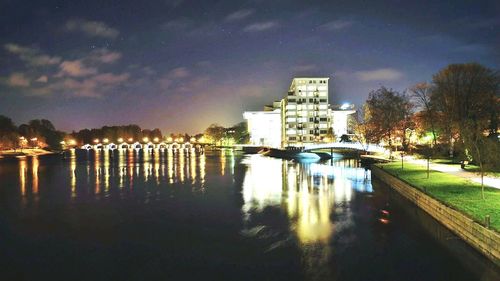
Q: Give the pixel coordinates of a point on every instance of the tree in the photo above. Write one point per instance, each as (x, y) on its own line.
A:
(240, 134)
(464, 92)
(421, 94)
(389, 113)
(364, 132)
(484, 151)
(8, 133)
(215, 133)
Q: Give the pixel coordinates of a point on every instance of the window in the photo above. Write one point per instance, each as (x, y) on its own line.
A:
(323, 119)
(322, 100)
(292, 138)
(322, 132)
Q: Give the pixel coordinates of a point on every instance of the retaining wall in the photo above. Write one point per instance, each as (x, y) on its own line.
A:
(483, 239)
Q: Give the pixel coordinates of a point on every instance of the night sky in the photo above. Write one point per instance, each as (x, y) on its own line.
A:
(181, 65)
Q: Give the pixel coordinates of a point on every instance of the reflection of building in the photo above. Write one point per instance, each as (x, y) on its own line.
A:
(307, 192)
(305, 117)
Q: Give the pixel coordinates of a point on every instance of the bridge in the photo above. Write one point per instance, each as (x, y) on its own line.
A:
(374, 148)
(145, 146)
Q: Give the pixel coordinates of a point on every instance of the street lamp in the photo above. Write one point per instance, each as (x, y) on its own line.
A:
(120, 139)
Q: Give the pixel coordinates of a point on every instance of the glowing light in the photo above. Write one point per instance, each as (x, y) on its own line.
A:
(71, 142)
(384, 221)
(181, 139)
(120, 139)
(130, 139)
(96, 140)
(169, 139)
(156, 139)
(145, 139)
(192, 139)
(34, 139)
(105, 140)
(345, 106)
(63, 142)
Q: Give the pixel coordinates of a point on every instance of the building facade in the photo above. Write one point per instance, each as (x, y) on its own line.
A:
(305, 112)
(264, 127)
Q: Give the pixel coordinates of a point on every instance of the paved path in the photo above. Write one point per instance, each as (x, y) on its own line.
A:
(457, 171)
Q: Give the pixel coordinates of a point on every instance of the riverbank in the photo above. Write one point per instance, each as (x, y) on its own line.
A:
(453, 201)
(24, 152)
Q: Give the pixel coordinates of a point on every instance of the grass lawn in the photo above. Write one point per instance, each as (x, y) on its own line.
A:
(459, 193)
(468, 167)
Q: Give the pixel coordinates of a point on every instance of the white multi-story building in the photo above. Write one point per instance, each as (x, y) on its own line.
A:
(305, 112)
(303, 117)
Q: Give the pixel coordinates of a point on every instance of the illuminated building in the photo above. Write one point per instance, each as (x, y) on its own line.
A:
(303, 117)
(265, 126)
(305, 112)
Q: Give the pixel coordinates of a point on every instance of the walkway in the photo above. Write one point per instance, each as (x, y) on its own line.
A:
(457, 171)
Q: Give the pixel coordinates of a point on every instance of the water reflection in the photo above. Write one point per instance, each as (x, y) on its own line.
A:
(309, 193)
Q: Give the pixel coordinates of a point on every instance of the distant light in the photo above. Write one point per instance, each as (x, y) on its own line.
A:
(62, 142)
(192, 140)
(181, 139)
(120, 139)
(145, 139)
(156, 139)
(96, 140)
(345, 106)
(105, 140)
(72, 142)
(130, 139)
(34, 139)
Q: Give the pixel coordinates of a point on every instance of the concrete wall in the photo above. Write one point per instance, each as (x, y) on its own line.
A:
(483, 239)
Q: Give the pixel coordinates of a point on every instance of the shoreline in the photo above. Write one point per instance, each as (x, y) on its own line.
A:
(24, 152)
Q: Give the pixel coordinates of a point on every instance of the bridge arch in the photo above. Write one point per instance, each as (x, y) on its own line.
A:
(137, 146)
(87, 146)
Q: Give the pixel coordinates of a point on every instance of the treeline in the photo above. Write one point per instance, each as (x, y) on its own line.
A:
(222, 136)
(36, 133)
(457, 114)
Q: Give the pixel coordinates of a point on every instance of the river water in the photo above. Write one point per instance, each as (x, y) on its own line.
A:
(217, 216)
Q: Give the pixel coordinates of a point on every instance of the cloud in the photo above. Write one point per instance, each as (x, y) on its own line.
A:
(42, 79)
(75, 68)
(336, 25)
(92, 28)
(104, 56)
(18, 79)
(240, 14)
(31, 56)
(261, 26)
(179, 72)
(110, 78)
(381, 74)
